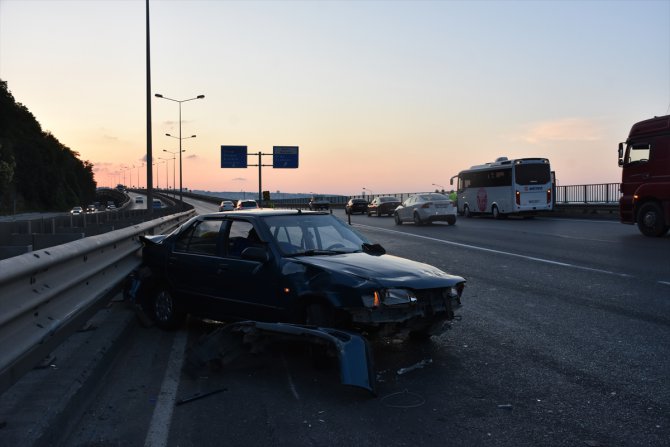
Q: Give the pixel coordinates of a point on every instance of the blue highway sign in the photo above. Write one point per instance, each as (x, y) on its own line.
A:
(233, 156)
(285, 157)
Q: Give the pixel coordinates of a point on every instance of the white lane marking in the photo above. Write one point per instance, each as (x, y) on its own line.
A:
(291, 385)
(665, 283)
(506, 253)
(159, 429)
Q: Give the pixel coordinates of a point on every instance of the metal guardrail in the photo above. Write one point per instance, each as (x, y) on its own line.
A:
(46, 294)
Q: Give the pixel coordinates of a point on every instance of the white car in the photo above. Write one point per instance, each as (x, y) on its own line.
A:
(226, 205)
(426, 208)
(76, 211)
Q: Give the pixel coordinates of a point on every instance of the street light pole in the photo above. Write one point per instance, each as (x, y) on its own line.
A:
(174, 155)
(158, 95)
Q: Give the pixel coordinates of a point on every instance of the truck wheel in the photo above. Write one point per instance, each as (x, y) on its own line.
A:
(650, 220)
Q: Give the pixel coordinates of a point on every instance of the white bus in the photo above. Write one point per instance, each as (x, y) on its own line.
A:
(504, 187)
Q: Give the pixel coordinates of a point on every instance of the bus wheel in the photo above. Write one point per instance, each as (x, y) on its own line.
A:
(466, 211)
(496, 213)
(650, 220)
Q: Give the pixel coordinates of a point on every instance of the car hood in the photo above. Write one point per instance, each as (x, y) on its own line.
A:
(387, 270)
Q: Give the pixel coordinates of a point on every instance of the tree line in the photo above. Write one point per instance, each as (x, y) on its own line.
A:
(37, 172)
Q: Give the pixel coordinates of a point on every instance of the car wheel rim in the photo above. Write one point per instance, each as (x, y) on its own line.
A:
(163, 306)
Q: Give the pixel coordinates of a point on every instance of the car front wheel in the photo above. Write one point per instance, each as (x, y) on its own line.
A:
(397, 219)
(417, 219)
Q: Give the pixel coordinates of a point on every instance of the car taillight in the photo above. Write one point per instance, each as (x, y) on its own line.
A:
(549, 195)
(518, 198)
(427, 205)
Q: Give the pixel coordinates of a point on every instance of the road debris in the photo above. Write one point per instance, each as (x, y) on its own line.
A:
(418, 365)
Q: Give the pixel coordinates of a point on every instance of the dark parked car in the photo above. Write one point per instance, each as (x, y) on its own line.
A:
(356, 206)
(290, 266)
(383, 205)
(318, 203)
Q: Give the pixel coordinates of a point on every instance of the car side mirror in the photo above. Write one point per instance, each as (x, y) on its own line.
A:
(257, 254)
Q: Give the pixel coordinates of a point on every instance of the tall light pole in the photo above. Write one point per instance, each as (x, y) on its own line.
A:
(178, 101)
(167, 182)
(439, 186)
(174, 154)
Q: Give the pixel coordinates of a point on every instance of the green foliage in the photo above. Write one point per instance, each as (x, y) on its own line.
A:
(37, 172)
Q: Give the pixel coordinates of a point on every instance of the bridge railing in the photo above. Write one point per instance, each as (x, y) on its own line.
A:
(596, 194)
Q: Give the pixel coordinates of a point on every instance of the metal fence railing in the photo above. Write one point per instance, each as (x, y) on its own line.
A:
(597, 194)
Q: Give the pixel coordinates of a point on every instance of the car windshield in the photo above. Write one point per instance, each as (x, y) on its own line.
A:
(313, 234)
(388, 199)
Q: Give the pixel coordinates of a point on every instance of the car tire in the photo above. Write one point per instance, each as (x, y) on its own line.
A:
(417, 219)
(397, 219)
(451, 220)
(166, 311)
(379, 213)
(650, 220)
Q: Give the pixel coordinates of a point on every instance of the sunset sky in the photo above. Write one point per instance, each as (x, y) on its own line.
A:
(390, 96)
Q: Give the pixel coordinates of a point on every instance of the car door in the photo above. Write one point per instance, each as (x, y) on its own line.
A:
(193, 259)
(247, 289)
(406, 211)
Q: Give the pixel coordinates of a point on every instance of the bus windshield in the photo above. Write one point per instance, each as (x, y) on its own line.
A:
(532, 174)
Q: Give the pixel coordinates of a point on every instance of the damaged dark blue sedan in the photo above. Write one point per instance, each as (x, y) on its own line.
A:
(291, 266)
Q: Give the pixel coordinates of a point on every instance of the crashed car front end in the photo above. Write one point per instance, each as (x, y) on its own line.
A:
(386, 295)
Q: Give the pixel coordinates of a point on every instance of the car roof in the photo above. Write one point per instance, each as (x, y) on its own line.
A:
(261, 212)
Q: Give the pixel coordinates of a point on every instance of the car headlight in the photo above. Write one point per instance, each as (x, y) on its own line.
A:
(390, 298)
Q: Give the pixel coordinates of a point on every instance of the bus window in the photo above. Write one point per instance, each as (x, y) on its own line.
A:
(532, 174)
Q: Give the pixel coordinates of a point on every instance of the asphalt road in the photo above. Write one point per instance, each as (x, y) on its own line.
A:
(564, 341)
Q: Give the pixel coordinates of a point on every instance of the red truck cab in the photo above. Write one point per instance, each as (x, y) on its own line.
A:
(645, 176)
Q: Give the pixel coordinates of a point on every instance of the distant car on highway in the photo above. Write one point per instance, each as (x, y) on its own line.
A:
(383, 205)
(356, 206)
(426, 208)
(246, 205)
(226, 205)
(290, 266)
(157, 204)
(91, 208)
(318, 203)
(139, 199)
(77, 210)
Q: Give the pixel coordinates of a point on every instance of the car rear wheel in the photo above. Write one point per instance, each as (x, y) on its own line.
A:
(397, 219)
(166, 311)
(451, 220)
